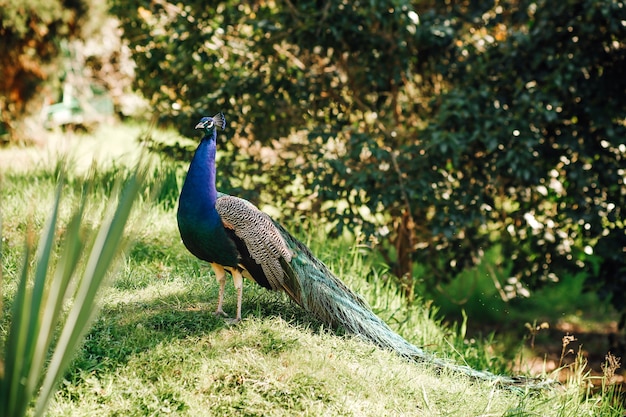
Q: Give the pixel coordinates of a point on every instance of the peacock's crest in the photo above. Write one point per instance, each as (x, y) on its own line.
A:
(209, 123)
(220, 120)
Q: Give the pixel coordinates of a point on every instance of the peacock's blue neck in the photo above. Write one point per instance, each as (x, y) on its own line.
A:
(200, 225)
(198, 196)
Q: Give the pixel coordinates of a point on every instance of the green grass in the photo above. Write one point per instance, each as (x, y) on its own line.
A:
(156, 349)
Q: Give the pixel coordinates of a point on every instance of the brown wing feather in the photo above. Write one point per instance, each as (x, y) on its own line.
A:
(261, 237)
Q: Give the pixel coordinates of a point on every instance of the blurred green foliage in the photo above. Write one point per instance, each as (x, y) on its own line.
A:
(532, 130)
(474, 124)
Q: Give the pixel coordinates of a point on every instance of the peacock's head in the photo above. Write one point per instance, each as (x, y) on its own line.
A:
(208, 124)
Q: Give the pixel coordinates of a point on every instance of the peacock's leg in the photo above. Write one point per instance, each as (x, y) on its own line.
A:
(220, 276)
(238, 281)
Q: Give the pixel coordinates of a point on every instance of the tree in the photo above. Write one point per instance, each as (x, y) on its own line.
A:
(481, 124)
(532, 131)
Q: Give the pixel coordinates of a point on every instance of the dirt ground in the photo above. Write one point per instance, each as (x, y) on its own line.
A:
(557, 347)
(595, 345)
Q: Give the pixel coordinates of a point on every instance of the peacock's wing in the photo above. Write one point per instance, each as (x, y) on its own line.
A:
(263, 244)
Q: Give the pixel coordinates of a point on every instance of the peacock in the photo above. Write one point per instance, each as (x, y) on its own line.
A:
(235, 237)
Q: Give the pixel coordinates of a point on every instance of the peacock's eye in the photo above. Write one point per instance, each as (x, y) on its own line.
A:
(210, 124)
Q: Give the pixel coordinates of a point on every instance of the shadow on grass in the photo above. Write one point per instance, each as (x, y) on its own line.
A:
(128, 329)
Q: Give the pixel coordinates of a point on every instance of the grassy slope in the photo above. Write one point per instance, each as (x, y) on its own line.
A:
(156, 348)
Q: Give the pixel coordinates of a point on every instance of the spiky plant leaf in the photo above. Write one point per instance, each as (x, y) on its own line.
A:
(38, 306)
(83, 309)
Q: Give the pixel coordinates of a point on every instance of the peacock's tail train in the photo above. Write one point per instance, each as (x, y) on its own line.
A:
(324, 295)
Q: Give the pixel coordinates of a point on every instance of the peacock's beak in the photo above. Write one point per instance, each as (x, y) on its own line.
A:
(200, 125)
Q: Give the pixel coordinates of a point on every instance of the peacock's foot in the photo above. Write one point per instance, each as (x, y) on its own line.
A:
(232, 322)
(220, 312)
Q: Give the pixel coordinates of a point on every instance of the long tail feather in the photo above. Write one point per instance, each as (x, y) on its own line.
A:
(324, 295)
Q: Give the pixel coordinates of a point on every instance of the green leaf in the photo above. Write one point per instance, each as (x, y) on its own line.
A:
(85, 305)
